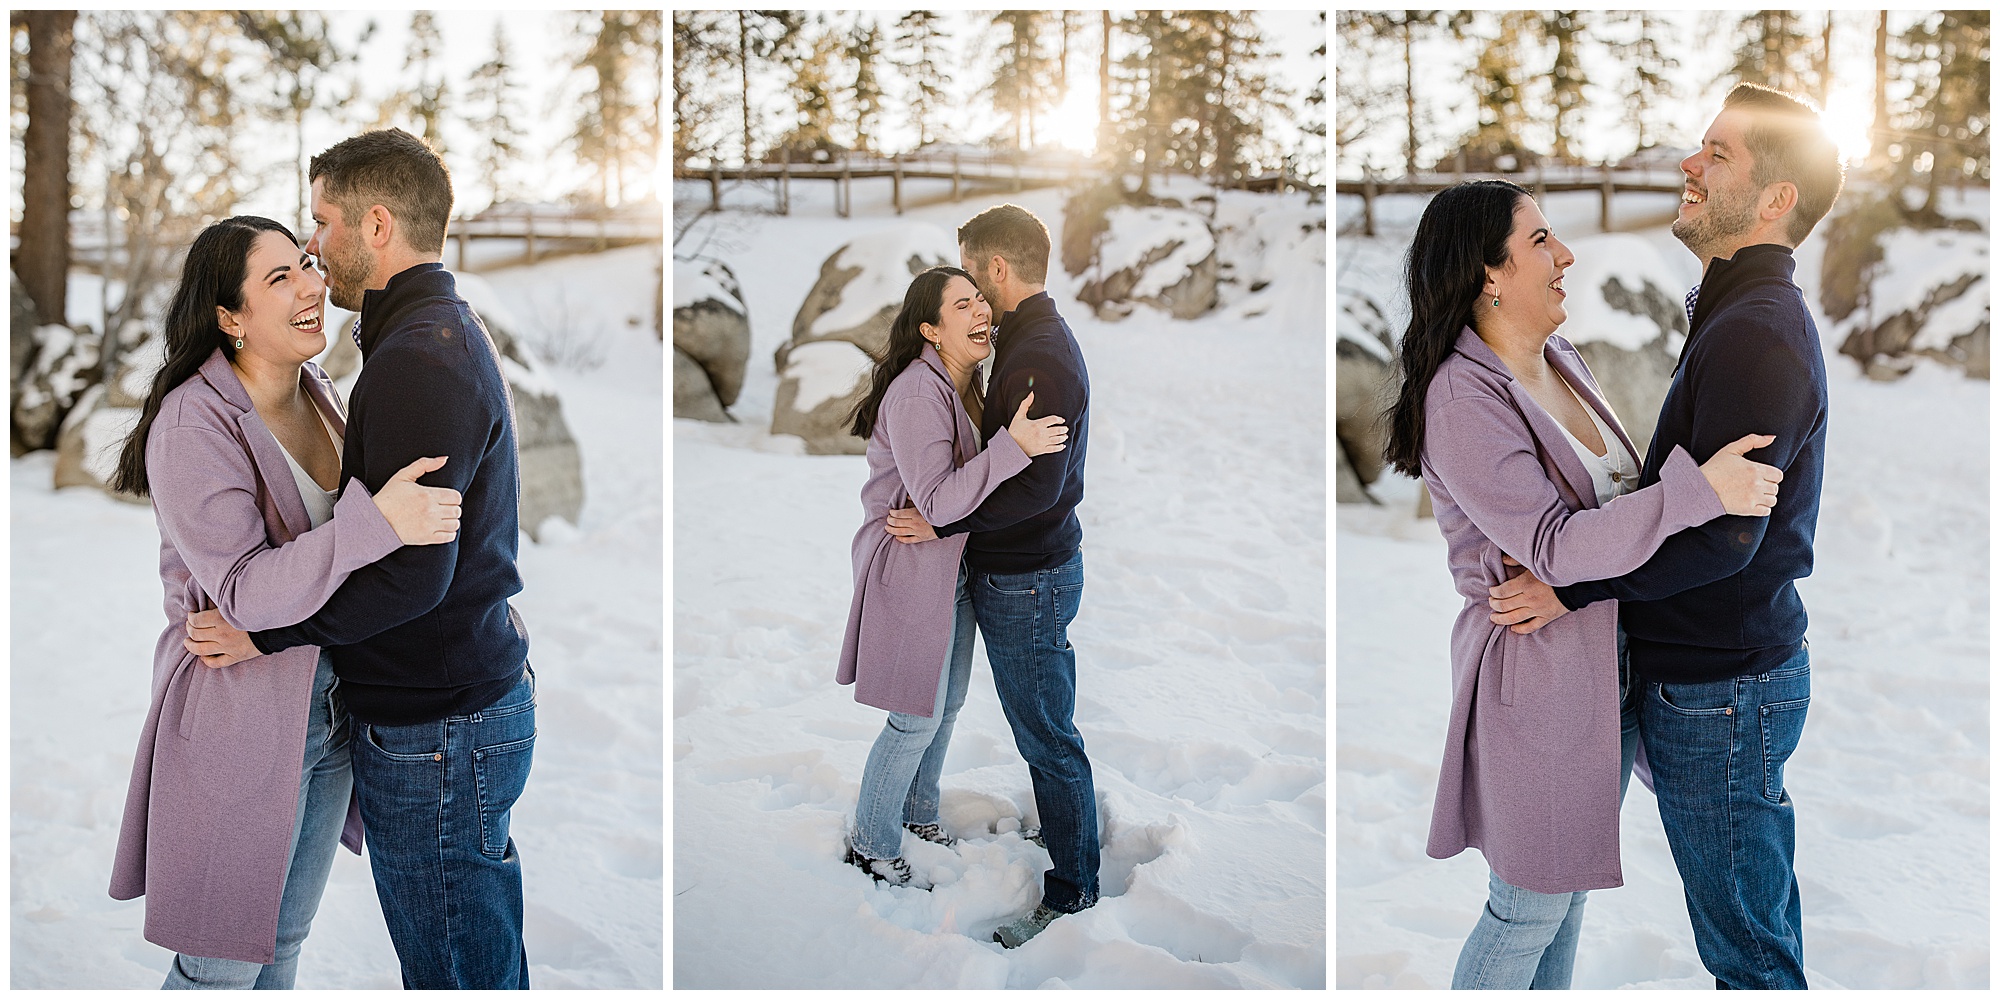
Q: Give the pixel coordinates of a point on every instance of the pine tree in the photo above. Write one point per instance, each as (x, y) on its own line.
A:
(697, 53)
(864, 50)
(619, 124)
(813, 87)
(1773, 50)
(760, 35)
(1499, 82)
(302, 56)
(1649, 88)
(920, 36)
(1565, 28)
(1948, 59)
(426, 96)
(1021, 86)
(492, 95)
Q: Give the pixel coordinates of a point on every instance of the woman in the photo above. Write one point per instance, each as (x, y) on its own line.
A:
(908, 647)
(240, 787)
(1524, 460)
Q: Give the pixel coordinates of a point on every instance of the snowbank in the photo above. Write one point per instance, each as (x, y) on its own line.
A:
(1133, 232)
(885, 274)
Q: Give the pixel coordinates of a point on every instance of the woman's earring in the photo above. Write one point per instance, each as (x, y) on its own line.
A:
(239, 343)
(1496, 304)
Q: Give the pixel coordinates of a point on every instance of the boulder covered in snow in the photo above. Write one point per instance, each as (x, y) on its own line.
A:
(551, 464)
(820, 385)
(1364, 370)
(93, 433)
(1928, 295)
(841, 329)
(1153, 254)
(65, 364)
(712, 335)
(21, 334)
(694, 392)
(861, 286)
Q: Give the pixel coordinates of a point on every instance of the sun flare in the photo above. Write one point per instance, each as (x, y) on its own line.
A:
(1848, 118)
(1073, 124)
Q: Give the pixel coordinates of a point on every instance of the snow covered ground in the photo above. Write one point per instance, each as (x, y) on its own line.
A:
(1201, 660)
(1891, 780)
(86, 612)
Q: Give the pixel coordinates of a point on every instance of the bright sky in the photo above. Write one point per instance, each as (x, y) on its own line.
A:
(971, 37)
(1701, 80)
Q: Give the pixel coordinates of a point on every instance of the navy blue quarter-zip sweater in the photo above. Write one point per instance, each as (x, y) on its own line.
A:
(1029, 522)
(1717, 601)
(427, 631)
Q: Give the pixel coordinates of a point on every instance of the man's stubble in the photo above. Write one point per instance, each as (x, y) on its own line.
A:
(1710, 234)
(348, 268)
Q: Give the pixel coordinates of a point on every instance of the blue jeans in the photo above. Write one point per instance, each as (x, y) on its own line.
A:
(325, 783)
(1025, 618)
(435, 798)
(900, 783)
(1526, 939)
(1718, 753)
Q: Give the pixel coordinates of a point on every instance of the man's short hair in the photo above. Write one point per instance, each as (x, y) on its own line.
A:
(1015, 234)
(1788, 143)
(394, 169)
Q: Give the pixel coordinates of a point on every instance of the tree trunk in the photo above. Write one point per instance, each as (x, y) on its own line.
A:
(1409, 102)
(743, 65)
(1879, 142)
(43, 259)
(1104, 91)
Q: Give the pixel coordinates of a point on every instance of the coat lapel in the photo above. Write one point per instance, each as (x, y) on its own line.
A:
(274, 475)
(1570, 363)
(1572, 480)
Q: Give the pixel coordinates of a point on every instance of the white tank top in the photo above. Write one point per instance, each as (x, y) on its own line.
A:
(319, 502)
(1614, 473)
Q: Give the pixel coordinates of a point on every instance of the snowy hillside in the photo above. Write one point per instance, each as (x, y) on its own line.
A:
(1891, 781)
(1201, 657)
(86, 612)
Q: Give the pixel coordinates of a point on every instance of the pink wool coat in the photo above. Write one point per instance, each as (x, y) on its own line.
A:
(1530, 773)
(207, 831)
(925, 451)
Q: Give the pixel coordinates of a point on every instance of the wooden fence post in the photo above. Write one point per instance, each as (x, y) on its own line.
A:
(1609, 189)
(784, 180)
(954, 175)
(531, 231)
(845, 197)
(715, 184)
(1368, 201)
(896, 181)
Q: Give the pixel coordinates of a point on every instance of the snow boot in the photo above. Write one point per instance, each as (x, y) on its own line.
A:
(1016, 934)
(932, 832)
(894, 871)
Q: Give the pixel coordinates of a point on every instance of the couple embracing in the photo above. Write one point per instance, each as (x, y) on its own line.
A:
(340, 657)
(1619, 613)
(969, 520)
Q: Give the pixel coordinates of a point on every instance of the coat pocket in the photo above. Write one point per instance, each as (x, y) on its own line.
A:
(197, 678)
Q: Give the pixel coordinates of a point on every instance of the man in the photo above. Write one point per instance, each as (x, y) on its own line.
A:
(1025, 551)
(431, 658)
(1714, 623)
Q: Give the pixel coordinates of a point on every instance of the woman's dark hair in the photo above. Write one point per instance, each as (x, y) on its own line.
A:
(921, 304)
(213, 274)
(1463, 232)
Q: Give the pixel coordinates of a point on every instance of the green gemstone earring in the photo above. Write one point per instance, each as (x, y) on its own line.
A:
(239, 340)
(1496, 305)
